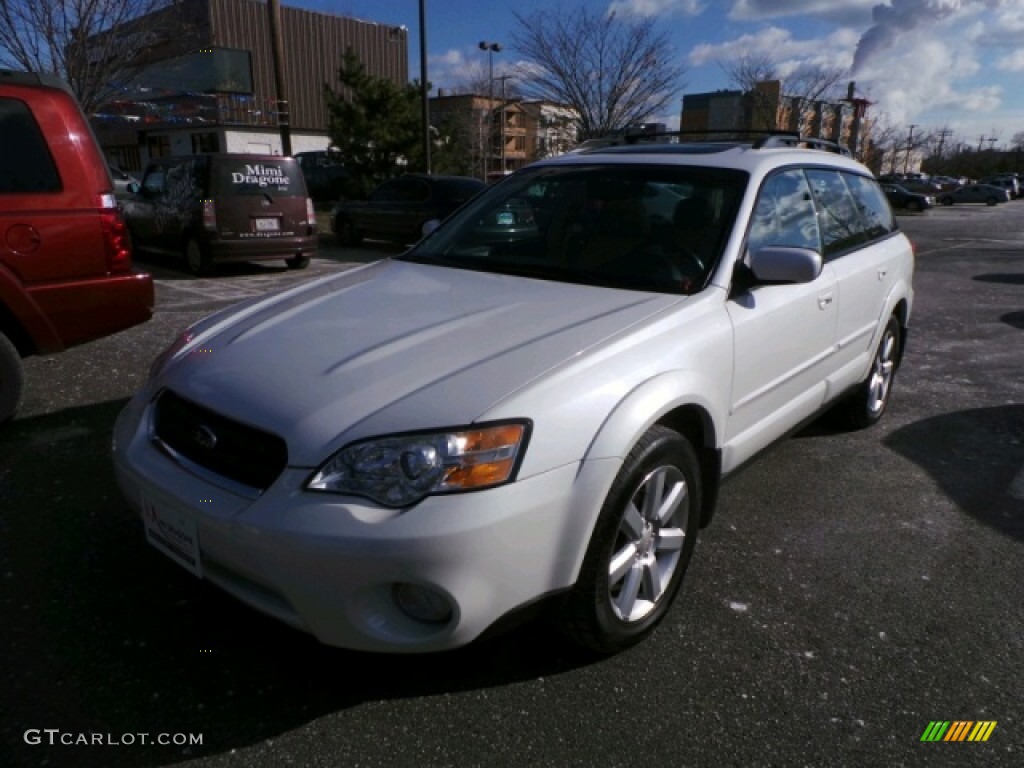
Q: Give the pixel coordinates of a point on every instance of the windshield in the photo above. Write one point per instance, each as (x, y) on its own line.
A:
(652, 228)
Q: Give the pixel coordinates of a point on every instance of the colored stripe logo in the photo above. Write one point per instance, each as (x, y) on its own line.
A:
(958, 730)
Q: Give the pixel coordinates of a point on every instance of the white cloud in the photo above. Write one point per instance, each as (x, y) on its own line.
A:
(1012, 63)
(651, 8)
(777, 43)
(842, 11)
(927, 72)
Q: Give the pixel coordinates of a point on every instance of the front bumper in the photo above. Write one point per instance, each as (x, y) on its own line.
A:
(329, 564)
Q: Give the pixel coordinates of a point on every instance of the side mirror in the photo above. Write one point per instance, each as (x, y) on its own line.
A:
(134, 187)
(430, 226)
(779, 264)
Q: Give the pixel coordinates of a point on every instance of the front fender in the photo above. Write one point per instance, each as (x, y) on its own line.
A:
(652, 401)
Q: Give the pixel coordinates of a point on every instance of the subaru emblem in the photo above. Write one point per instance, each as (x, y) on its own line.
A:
(205, 437)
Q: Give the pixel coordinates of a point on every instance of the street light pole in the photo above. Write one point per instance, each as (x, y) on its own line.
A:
(491, 48)
(424, 86)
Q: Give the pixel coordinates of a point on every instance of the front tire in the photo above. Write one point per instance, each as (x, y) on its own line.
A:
(297, 262)
(641, 546)
(866, 406)
(12, 379)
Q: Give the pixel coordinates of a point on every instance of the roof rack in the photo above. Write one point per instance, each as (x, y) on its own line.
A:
(796, 140)
(766, 138)
(716, 134)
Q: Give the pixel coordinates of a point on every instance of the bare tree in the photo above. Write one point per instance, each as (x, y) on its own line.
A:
(74, 39)
(612, 73)
(805, 86)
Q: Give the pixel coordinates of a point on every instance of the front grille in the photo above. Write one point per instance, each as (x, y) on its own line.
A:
(236, 451)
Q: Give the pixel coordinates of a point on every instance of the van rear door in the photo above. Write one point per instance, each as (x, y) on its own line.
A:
(259, 197)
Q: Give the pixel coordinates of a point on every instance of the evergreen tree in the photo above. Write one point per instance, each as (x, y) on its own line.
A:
(375, 124)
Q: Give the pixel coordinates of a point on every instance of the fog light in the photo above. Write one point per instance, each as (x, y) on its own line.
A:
(423, 603)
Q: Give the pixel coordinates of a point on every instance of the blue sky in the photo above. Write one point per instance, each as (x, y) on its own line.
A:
(957, 64)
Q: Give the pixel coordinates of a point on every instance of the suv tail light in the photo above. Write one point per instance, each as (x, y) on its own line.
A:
(209, 215)
(310, 215)
(117, 242)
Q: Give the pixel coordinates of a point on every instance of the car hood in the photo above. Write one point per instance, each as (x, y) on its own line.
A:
(394, 346)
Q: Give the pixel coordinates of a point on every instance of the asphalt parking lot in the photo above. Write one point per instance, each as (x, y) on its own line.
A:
(853, 588)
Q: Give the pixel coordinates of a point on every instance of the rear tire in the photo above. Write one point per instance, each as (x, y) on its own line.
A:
(640, 548)
(197, 259)
(12, 379)
(297, 262)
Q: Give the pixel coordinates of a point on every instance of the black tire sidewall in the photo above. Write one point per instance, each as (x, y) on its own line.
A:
(205, 266)
(12, 379)
(594, 623)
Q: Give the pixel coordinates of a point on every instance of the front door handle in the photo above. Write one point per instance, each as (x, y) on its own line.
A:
(824, 300)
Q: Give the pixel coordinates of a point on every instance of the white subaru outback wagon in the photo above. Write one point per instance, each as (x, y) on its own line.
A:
(534, 406)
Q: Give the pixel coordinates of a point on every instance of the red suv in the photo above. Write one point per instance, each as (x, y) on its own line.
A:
(66, 273)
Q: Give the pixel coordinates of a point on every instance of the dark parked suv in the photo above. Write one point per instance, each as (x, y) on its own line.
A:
(66, 273)
(398, 208)
(224, 207)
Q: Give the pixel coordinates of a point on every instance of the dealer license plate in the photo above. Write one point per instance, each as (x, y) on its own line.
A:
(174, 533)
(267, 225)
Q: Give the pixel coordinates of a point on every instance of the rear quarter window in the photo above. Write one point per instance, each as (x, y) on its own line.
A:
(26, 166)
(248, 177)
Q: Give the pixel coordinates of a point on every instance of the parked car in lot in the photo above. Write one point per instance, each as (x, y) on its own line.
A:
(66, 274)
(212, 208)
(975, 193)
(533, 408)
(900, 197)
(398, 208)
(1009, 183)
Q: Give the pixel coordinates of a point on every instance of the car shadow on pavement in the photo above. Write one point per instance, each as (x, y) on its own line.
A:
(1009, 278)
(104, 635)
(172, 268)
(977, 458)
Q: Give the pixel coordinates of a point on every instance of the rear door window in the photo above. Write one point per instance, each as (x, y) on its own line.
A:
(26, 166)
(872, 204)
(841, 225)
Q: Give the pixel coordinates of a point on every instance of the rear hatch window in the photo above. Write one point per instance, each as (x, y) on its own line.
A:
(25, 163)
(259, 178)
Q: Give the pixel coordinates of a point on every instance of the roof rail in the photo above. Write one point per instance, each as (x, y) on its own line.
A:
(796, 140)
(714, 134)
(761, 138)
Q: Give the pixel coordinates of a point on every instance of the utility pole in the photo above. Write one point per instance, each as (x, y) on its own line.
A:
(910, 146)
(277, 57)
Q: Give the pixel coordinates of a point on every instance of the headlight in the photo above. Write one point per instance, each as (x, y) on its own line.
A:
(400, 470)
